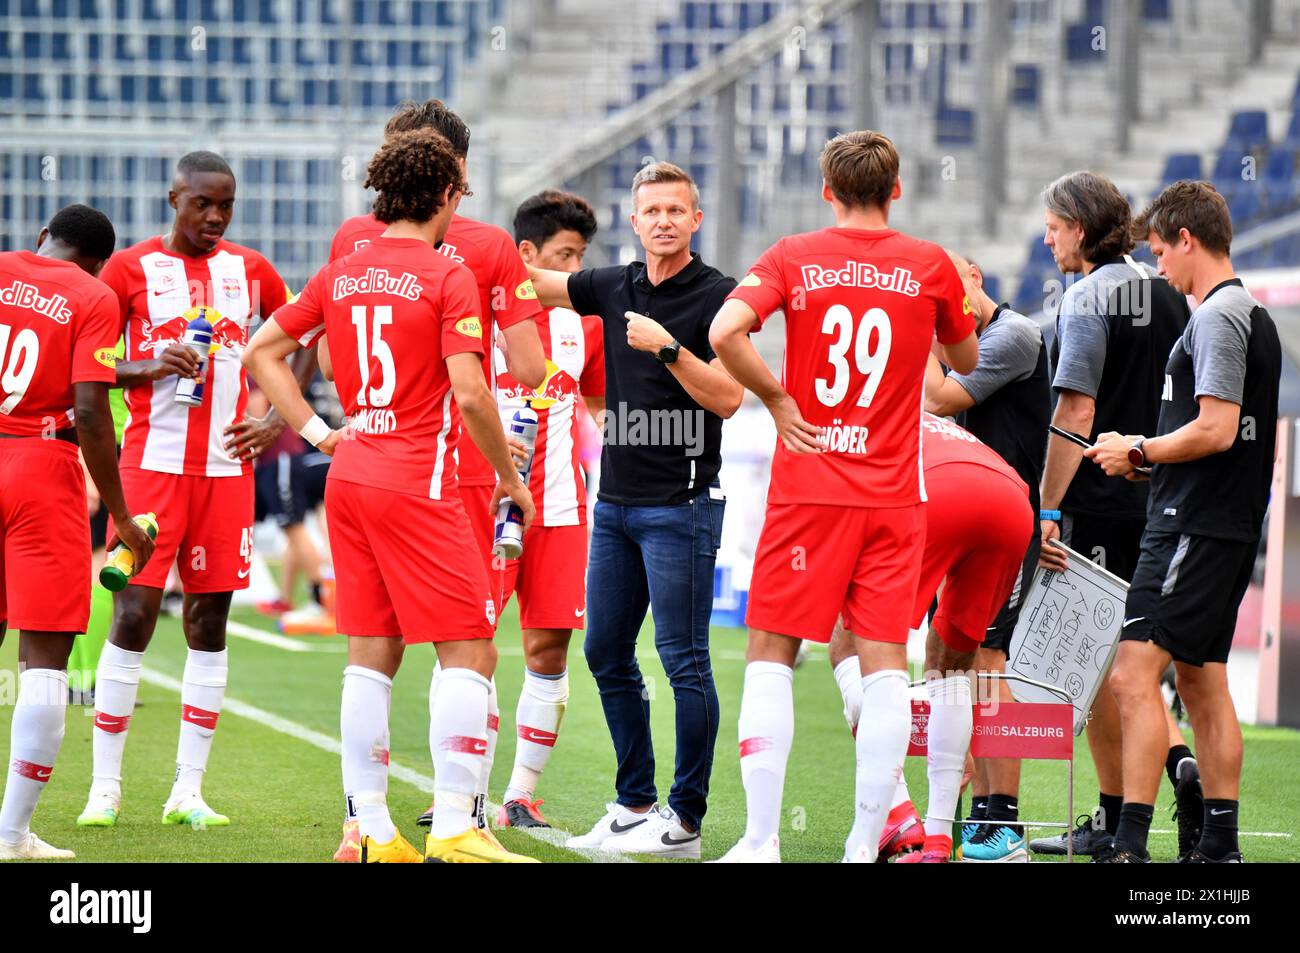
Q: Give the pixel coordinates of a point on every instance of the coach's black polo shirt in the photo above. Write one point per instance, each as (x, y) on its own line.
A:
(661, 448)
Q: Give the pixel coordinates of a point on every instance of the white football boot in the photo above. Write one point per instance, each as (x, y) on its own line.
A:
(32, 847)
(769, 853)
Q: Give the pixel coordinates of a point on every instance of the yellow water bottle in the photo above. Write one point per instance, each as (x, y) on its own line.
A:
(120, 565)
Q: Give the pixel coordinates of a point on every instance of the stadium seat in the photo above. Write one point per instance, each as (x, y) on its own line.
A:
(1292, 140)
(1182, 165)
(1248, 131)
(1026, 86)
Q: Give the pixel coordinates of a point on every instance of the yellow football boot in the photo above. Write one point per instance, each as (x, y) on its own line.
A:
(396, 851)
(474, 846)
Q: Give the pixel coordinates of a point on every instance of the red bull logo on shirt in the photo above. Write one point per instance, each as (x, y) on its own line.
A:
(22, 295)
(861, 274)
(378, 281)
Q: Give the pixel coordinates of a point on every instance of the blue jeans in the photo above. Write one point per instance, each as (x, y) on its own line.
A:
(661, 557)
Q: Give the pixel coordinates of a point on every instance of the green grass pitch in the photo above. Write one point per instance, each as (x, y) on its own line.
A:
(283, 793)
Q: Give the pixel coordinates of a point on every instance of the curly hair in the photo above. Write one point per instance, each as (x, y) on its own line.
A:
(411, 172)
(431, 114)
(1092, 201)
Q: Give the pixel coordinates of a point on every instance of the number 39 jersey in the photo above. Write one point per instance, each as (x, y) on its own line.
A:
(393, 311)
(861, 309)
(58, 327)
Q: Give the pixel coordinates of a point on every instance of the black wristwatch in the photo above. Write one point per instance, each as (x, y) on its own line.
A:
(668, 353)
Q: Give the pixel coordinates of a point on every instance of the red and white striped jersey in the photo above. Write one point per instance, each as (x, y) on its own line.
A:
(158, 292)
(575, 364)
(394, 312)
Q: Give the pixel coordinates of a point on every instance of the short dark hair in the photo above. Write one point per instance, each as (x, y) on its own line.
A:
(431, 114)
(86, 229)
(547, 213)
(860, 168)
(411, 172)
(1093, 201)
(202, 161)
(1195, 206)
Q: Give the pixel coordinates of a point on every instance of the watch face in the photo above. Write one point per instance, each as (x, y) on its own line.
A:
(1136, 456)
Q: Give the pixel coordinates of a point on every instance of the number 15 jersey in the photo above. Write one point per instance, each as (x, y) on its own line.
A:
(861, 309)
(394, 311)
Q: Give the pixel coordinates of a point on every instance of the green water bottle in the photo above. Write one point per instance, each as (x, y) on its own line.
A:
(120, 565)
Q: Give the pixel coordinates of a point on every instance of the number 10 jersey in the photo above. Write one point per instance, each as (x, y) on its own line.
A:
(862, 308)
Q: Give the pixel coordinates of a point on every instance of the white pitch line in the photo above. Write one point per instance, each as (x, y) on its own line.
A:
(241, 631)
(416, 779)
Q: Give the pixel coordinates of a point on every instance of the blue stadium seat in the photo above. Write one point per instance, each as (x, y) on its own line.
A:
(1229, 169)
(954, 127)
(1040, 255)
(1292, 140)
(1182, 165)
(1026, 85)
(1244, 207)
(1155, 9)
(992, 287)
(1248, 131)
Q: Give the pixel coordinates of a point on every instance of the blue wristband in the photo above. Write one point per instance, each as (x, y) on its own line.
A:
(1050, 515)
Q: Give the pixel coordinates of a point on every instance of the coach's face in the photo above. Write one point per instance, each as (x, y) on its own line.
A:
(665, 218)
(1065, 239)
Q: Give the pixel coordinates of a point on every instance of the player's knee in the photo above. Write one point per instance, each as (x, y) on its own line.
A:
(1128, 683)
(548, 660)
(132, 627)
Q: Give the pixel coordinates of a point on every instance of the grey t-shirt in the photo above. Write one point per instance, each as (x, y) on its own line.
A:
(1083, 324)
(1008, 352)
(1217, 338)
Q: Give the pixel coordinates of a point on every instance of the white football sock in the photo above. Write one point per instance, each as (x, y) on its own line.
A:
(883, 732)
(766, 730)
(489, 756)
(542, 701)
(458, 742)
(363, 724)
(35, 735)
(203, 689)
(848, 676)
(949, 740)
(117, 680)
(901, 795)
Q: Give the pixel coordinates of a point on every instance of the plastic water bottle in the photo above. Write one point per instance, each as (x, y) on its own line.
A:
(120, 565)
(198, 338)
(509, 540)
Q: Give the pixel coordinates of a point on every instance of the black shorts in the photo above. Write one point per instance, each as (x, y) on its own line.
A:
(1112, 544)
(290, 485)
(1185, 595)
(998, 635)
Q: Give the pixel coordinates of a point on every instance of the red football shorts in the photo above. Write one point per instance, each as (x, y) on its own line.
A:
(483, 523)
(978, 524)
(44, 536)
(550, 577)
(205, 526)
(404, 565)
(816, 562)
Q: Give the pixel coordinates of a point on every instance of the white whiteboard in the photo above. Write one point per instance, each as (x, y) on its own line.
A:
(1067, 632)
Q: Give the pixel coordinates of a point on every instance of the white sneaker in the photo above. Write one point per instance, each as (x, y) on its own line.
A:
(662, 835)
(859, 856)
(617, 820)
(32, 847)
(769, 853)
